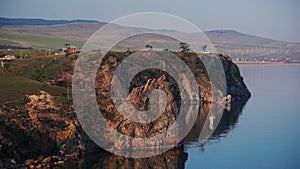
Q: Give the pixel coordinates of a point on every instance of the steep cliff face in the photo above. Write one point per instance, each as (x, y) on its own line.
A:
(235, 84)
(151, 79)
(139, 98)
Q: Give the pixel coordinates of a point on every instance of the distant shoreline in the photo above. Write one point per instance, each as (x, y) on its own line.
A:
(261, 63)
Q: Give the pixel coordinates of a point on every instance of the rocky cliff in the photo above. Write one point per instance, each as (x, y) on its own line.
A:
(148, 80)
(42, 129)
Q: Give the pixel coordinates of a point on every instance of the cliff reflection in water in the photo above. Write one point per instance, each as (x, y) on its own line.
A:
(176, 157)
(228, 120)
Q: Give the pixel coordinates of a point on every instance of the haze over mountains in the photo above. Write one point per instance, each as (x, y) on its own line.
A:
(36, 22)
(52, 34)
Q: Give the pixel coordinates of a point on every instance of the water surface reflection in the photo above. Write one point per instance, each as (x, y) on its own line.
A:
(176, 157)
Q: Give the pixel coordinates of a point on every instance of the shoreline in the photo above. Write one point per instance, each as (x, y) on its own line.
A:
(260, 63)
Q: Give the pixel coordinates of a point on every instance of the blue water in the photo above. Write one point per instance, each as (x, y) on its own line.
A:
(267, 133)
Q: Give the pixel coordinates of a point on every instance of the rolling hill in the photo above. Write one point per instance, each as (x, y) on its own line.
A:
(52, 34)
(40, 22)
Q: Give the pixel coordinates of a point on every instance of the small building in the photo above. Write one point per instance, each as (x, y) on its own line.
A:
(67, 49)
(8, 57)
(72, 49)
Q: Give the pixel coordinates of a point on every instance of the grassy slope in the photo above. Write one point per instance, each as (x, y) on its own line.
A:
(14, 87)
(15, 82)
(26, 52)
(37, 41)
(50, 66)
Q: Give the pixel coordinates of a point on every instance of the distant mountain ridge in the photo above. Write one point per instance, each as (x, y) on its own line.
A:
(37, 22)
(52, 34)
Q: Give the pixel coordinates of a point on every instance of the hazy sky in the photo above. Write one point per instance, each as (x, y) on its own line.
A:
(275, 19)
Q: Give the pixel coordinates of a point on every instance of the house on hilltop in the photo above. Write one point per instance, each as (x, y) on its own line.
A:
(68, 49)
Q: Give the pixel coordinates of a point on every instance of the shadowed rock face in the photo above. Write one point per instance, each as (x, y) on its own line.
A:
(138, 97)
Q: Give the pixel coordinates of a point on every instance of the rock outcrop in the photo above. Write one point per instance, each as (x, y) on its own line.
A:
(43, 130)
(152, 79)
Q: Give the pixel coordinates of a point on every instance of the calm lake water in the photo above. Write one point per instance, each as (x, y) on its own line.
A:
(262, 132)
(267, 133)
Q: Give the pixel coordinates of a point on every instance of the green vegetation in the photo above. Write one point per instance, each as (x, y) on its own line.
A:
(38, 75)
(41, 68)
(6, 65)
(63, 102)
(25, 125)
(185, 47)
(32, 53)
(15, 87)
(148, 46)
(204, 48)
(28, 76)
(40, 158)
(36, 41)
(58, 145)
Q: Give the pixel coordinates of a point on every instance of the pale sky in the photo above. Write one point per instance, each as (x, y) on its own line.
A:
(274, 19)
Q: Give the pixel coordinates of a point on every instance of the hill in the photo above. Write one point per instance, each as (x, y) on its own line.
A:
(15, 87)
(31, 75)
(36, 22)
(53, 34)
(238, 44)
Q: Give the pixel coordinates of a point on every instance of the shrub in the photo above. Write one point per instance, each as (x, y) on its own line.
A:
(38, 75)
